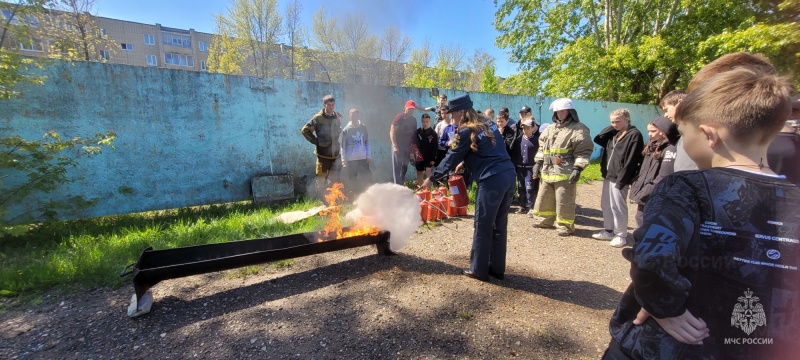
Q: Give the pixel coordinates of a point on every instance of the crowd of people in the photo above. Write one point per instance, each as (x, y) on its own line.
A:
(716, 179)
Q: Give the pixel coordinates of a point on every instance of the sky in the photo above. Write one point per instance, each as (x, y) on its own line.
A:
(466, 23)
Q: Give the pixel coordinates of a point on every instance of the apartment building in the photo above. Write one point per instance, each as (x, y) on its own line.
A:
(165, 47)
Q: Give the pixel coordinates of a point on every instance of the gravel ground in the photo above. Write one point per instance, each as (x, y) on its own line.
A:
(555, 303)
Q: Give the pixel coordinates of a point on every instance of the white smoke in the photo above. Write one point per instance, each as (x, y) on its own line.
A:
(389, 207)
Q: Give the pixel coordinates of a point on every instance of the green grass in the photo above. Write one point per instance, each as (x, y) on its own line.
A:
(591, 173)
(90, 253)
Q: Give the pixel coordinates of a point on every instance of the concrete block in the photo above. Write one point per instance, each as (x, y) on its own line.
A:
(272, 187)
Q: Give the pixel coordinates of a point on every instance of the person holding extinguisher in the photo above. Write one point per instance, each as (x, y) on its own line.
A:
(480, 146)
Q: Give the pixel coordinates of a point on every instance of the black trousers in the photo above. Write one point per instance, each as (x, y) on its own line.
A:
(358, 174)
(527, 187)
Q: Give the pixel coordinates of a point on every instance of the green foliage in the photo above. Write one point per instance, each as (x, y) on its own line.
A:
(591, 173)
(40, 166)
(247, 39)
(489, 81)
(14, 68)
(91, 252)
(635, 51)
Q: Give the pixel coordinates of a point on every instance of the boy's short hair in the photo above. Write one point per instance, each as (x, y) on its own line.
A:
(443, 96)
(502, 114)
(353, 110)
(752, 105)
(425, 115)
(328, 98)
(624, 113)
(728, 62)
(672, 98)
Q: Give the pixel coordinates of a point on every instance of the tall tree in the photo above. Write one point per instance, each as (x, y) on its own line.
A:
(248, 38)
(394, 49)
(347, 49)
(418, 72)
(74, 34)
(633, 50)
(449, 67)
(489, 81)
(295, 36)
(476, 66)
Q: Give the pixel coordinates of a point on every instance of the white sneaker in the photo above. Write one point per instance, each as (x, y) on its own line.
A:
(530, 213)
(619, 242)
(603, 235)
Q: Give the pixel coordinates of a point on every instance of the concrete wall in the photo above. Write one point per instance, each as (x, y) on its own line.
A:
(190, 138)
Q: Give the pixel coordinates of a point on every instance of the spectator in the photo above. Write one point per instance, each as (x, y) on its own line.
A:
(427, 142)
(659, 158)
(401, 133)
(356, 152)
(710, 264)
(725, 63)
(477, 144)
(505, 130)
(323, 131)
(523, 155)
(784, 152)
(621, 158)
(489, 112)
(440, 130)
(564, 151)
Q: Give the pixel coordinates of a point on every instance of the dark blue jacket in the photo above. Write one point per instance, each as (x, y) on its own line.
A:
(490, 159)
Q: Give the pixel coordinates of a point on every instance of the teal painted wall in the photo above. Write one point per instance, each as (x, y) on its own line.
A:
(189, 138)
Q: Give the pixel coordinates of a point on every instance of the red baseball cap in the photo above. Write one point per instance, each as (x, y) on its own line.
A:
(411, 104)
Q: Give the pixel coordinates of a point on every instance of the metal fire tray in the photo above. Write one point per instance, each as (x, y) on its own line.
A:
(155, 266)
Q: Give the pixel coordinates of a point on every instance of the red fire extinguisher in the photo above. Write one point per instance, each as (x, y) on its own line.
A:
(458, 190)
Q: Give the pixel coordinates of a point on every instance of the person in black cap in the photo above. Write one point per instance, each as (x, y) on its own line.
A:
(783, 155)
(658, 163)
(480, 146)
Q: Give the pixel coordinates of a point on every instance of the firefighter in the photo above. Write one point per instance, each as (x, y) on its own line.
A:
(564, 151)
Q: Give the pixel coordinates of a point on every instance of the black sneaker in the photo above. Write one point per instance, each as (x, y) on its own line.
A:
(523, 210)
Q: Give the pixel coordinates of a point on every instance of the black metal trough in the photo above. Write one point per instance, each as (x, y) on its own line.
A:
(155, 266)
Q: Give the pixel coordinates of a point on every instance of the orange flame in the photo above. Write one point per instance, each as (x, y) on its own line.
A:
(333, 229)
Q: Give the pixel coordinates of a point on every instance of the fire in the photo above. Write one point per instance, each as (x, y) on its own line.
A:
(333, 229)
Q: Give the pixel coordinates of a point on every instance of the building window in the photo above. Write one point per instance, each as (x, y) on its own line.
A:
(31, 45)
(203, 65)
(203, 46)
(176, 40)
(104, 54)
(178, 59)
(128, 47)
(101, 32)
(149, 39)
(151, 60)
(7, 14)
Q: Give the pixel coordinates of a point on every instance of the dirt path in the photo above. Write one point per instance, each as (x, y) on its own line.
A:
(555, 302)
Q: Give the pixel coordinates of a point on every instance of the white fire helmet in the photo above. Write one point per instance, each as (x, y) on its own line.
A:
(562, 104)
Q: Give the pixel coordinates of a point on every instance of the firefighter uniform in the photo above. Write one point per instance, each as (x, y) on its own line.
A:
(564, 151)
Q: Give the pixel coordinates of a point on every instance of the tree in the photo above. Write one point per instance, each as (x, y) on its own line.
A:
(73, 33)
(394, 48)
(418, 72)
(489, 81)
(247, 40)
(15, 69)
(477, 66)
(449, 67)
(33, 166)
(345, 48)
(635, 51)
(296, 37)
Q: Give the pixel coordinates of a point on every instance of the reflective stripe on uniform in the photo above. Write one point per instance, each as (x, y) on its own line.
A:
(565, 221)
(544, 213)
(555, 178)
(556, 151)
